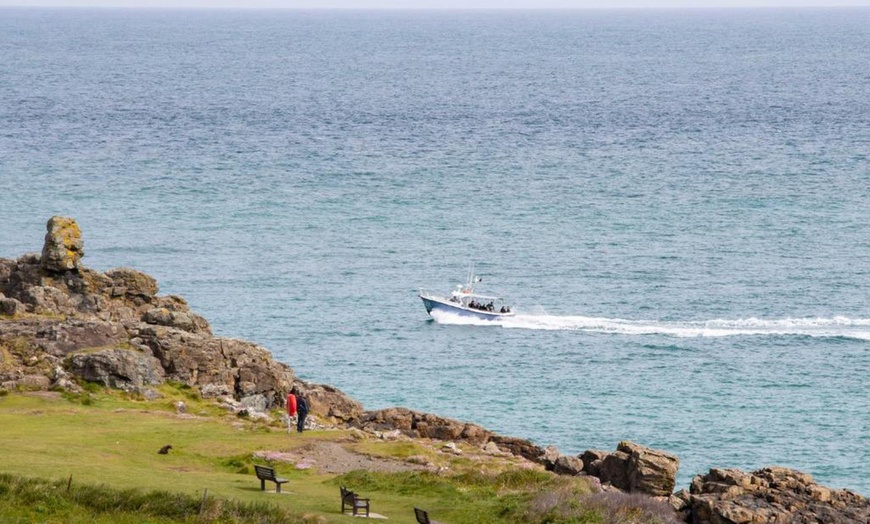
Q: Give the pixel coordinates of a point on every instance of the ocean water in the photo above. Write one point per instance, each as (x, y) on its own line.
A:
(677, 204)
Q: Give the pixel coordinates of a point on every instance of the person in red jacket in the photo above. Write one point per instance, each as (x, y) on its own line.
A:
(291, 404)
(301, 408)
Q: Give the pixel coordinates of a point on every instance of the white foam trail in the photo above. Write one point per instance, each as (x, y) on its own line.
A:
(813, 327)
(444, 317)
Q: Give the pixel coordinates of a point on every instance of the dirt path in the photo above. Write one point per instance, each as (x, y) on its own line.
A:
(333, 458)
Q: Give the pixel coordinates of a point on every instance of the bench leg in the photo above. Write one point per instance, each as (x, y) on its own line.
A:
(262, 485)
(277, 487)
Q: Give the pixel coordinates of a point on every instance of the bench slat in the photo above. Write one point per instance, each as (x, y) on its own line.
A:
(265, 473)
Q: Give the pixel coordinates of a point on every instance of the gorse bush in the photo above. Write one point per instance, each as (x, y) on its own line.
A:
(567, 506)
(630, 508)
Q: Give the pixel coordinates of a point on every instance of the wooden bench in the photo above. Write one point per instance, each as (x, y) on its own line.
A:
(352, 500)
(423, 517)
(265, 473)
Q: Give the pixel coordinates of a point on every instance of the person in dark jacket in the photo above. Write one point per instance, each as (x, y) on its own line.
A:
(301, 409)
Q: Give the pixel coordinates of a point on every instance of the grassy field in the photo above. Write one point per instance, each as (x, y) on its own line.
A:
(93, 458)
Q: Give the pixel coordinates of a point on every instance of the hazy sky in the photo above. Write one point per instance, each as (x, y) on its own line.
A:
(438, 4)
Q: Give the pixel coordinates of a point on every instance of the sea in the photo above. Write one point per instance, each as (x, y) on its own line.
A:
(675, 202)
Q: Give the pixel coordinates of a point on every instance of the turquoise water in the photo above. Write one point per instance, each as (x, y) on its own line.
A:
(675, 202)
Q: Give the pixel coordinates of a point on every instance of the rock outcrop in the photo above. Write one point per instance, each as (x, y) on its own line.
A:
(62, 320)
(331, 403)
(118, 368)
(423, 425)
(769, 495)
(519, 446)
(64, 248)
(634, 468)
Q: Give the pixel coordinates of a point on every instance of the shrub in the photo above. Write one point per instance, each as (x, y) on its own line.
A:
(92, 387)
(565, 505)
(84, 398)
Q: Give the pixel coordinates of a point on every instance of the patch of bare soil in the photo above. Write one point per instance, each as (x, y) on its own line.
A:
(334, 458)
(49, 395)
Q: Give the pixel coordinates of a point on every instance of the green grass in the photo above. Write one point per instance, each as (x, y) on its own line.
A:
(30, 500)
(104, 446)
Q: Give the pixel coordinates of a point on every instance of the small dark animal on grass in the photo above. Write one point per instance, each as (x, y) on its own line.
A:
(165, 449)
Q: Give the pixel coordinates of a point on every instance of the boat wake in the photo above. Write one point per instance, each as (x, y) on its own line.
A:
(813, 327)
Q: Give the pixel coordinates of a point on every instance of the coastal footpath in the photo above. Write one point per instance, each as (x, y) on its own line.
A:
(63, 324)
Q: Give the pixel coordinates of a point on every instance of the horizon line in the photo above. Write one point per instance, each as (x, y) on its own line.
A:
(394, 8)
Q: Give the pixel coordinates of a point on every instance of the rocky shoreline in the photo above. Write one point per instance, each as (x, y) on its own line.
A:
(62, 323)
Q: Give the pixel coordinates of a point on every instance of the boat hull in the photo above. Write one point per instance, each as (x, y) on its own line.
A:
(436, 304)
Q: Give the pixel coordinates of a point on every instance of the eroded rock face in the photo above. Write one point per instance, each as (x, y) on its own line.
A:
(118, 368)
(113, 328)
(135, 285)
(591, 458)
(329, 402)
(777, 495)
(650, 471)
(217, 365)
(63, 249)
(613, 469)
(519, 447)
(184, 320)
(634, 468)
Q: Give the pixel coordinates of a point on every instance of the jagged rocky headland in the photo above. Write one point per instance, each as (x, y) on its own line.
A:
(62, 323)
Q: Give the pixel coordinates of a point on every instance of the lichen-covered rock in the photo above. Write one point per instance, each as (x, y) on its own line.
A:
(775, 494)
(60, 338)
(64, 247)
(117, 368)
(47, 300)
(241, 368)
(107, 319)
(178, 319)
(133, 284)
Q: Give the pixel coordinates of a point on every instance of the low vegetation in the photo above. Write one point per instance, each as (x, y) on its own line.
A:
(37, 500)
(93, 458)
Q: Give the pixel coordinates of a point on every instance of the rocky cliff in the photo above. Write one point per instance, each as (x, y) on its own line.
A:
(62, 323)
